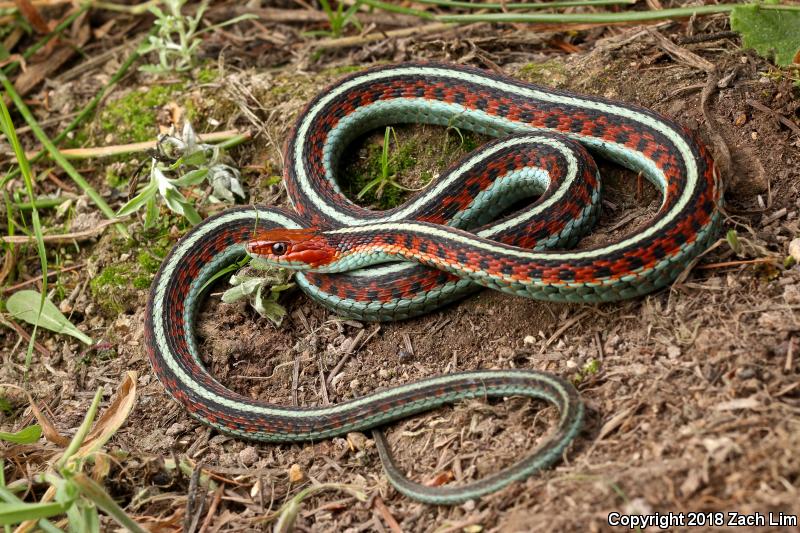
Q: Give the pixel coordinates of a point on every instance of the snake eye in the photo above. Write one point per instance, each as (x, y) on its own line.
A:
(279, 248)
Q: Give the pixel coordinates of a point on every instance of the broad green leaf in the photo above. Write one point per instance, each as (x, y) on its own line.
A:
(177, 203)
(24, 305)
(191, 178)
(151, 213)
(135, 203)
(770, 32)
(27, 435)
(266, 306)
(241, 290)
(14, 513)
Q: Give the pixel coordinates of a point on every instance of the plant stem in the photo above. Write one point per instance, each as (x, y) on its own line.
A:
(385, 6)
(80, 435)
(603, 18)
(8, 128)
(97, 494)
(539, 5)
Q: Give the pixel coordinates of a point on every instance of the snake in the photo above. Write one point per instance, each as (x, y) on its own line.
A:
(464, 231)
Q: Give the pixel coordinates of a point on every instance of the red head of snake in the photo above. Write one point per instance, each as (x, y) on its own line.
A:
(296, 248)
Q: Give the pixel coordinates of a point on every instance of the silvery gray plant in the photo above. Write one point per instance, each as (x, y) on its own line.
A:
(190, 162)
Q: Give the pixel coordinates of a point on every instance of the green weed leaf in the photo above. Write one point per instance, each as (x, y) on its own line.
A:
(24, 305)
(769, 32)
(27, 435)
(135, 203)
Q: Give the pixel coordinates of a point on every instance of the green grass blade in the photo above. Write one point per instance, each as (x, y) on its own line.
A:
(77, 440)
(96, 493)
(385, 6)
(56, 155)
(9, 497)
(14, 513)
(24, 166)
(85, 112)
(602, 18)
(524, 5)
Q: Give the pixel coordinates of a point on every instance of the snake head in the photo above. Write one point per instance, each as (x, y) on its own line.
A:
(298, 249)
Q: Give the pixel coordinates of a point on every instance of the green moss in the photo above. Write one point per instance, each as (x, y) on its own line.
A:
(78, 139)
(132, 118)
(5, 406)
(548, 73)
(344, 69)
(118, 287)
(113, 179)
(142, 282)
(148, 260)
(206, 75)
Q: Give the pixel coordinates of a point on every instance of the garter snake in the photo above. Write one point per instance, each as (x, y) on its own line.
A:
(543, 136)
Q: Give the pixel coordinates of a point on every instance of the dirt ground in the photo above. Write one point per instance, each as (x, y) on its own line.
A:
(692, 393)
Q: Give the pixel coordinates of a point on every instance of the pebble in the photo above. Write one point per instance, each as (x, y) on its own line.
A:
(529, 339)
(175, 429)
(357, 441)
(794, 249)
(296, 473)
(248, 456)
(673, 352)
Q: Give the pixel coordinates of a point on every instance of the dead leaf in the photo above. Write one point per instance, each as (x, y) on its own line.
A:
(614, 422)
(112, 418)
(440, 479)
(33, 16)
(48, 429)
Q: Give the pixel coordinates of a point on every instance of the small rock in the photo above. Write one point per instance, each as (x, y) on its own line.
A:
(248, 456)
(673, 352)
(355, 384)
(295, 473)
(529, 339)
(176, 429)
(794, 249)
(637, 506)
(356, 441)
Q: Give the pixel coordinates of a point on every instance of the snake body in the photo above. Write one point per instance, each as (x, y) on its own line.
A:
(514, 254)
